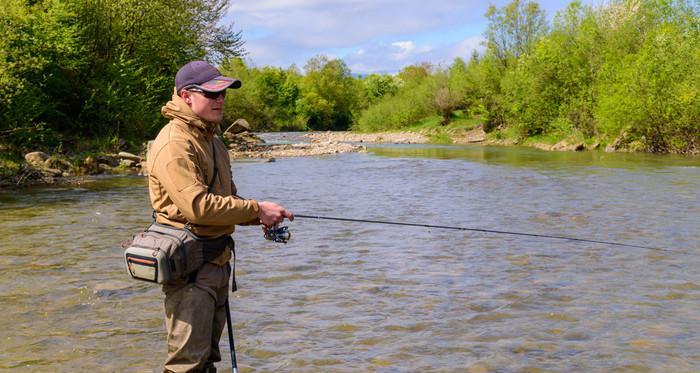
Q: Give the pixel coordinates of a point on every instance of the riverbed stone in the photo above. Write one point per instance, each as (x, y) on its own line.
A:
(90, 166)
(469, 137)
(129, 163)
(111, 160)
(617, 144)
(58, 163)
(613, 146)
(565, 145)
(542, 146)
(239, 126)
(36, 158)
(129, 156)
(104, 168)
(244, 141)
(53, 172)
(143, 169)
(382, 137)
(594, 146)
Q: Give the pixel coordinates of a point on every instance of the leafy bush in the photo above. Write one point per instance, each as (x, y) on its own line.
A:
(75, 70)
(410, 104)
(655, 95)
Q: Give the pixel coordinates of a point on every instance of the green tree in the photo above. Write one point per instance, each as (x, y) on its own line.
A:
(513, 29)
(135, 49)
(655, 96)
(456, 88)
(376, 86)
(72, 71)
(414, 74)
(40, 58)
(330, 95)
(550, 90)
(267, 98)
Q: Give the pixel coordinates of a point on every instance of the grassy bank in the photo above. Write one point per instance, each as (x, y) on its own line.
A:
(465, 129)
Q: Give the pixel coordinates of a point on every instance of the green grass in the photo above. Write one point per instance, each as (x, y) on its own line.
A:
(440, 138)
(458, 122)
(432, 127)
(8, 168)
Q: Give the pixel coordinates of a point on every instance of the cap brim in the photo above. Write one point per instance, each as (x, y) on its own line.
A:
(219, 84)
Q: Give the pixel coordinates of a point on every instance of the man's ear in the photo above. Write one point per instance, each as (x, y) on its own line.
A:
(186, 96)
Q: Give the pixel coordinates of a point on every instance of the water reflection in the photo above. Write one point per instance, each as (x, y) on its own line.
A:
(530, 157)
(345, 297)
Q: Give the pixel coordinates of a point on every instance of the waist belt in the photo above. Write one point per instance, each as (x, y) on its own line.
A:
(213, 248)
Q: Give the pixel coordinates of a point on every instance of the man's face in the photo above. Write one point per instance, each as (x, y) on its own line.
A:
(208, 106)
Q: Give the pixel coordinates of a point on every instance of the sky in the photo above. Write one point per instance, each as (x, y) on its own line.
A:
(371, 36)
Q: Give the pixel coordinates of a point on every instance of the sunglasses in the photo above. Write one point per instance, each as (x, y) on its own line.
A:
(209, 95)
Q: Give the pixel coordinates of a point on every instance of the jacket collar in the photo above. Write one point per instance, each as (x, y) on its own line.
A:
(178, 110)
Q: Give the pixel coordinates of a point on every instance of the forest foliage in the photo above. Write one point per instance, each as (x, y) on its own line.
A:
(96, 72)
(99, 70)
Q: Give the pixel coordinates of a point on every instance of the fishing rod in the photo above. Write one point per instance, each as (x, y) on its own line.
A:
(282, 234)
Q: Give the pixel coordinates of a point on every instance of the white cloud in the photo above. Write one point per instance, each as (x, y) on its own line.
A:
(404, 49)
(370, 35)
(344, 23)
(467, 46)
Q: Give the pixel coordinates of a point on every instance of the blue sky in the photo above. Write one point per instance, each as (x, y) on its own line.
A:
(370, 36)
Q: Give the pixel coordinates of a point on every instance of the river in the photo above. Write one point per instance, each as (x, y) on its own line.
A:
(351, 297)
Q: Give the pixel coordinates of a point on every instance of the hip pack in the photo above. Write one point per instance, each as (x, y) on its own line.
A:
(163, 253)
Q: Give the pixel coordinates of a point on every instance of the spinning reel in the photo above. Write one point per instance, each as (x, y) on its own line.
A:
(278, 234)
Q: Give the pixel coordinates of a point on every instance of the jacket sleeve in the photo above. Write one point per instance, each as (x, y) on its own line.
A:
(177, 171)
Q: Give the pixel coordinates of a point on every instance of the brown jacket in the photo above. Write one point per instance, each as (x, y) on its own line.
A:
(180, 169)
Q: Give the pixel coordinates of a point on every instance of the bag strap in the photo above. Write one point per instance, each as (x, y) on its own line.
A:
(210, 185)
(216, 170)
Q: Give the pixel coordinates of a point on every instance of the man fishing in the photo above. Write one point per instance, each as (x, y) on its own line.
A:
(191, 186)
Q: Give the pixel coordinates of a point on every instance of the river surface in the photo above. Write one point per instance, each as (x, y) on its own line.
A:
(351, 297)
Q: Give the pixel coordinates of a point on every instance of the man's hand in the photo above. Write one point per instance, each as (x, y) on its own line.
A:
(271, 214)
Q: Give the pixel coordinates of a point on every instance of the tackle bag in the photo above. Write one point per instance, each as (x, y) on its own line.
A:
(163, 253)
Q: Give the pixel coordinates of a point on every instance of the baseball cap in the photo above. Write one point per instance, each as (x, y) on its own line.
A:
(202, 75)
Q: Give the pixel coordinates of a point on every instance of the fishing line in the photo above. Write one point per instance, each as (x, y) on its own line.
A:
(481, 230)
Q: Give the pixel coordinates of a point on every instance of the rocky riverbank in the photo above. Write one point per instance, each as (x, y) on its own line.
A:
(42, 168)
(244, 144)
(378, 138)
(247, 145)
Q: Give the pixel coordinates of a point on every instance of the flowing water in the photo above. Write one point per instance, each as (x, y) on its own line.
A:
(350, 297)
